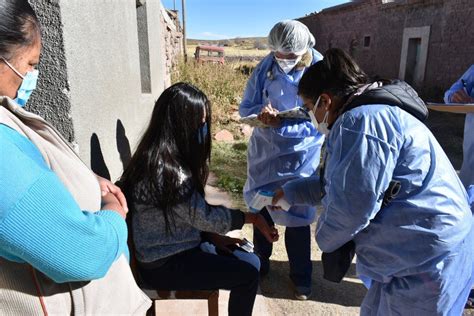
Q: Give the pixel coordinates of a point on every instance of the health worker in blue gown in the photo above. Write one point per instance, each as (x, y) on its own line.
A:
(462, 91)
(414, 250)
(286, 149)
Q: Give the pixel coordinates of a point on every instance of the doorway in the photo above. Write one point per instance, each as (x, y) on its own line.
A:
(414, 55)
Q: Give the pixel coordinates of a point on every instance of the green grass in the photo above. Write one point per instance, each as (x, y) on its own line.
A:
(229, 164)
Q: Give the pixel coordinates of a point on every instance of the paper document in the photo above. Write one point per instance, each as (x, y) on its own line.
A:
(263, 199)
(293, 114)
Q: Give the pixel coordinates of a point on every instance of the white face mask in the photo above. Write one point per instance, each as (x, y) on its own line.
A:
(312, 116)
(322, 127)
(287, 64)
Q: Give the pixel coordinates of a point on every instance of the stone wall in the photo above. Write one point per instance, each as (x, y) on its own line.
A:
(450, 46)
(102, 68)
(173, 40)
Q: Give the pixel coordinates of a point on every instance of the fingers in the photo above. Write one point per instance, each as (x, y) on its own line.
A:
(272, 234)
(274, 208)
(238, 241)
(122, 200)
(277, 196)
(108, 187)
(461, 96)
(118, 194)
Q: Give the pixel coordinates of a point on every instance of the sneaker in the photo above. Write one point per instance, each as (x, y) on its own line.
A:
(302, 293)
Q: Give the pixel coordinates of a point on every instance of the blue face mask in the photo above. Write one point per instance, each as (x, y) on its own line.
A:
(202, 133)
(28, 85)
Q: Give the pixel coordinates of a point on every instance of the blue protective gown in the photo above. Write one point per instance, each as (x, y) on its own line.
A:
(276, 155)
(417, 253)
(467, 169)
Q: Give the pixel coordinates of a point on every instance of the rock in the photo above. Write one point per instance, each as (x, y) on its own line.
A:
(224, 136)
(246, 130)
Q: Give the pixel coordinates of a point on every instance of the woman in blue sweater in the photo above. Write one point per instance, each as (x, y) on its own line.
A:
(55, 224)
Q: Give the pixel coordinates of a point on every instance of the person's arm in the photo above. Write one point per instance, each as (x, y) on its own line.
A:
(253, 99)
(41, 224)
(358, 172)
(302, 191)
(218, 218)
(456, 93)
(292, 129)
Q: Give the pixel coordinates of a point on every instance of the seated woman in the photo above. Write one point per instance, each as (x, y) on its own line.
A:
(164, 183)
(62, 228)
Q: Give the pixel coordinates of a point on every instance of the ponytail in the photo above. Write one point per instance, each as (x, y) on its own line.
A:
(337, 74)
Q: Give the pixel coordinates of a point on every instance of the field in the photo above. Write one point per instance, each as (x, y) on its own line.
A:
(238, 47)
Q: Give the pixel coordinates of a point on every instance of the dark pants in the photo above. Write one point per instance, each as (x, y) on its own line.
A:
(298, 248)
(197, 270)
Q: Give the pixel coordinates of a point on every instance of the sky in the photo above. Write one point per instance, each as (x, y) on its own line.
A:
(221, 19)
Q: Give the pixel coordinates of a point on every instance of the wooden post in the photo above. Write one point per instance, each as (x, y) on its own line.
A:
(183, 8)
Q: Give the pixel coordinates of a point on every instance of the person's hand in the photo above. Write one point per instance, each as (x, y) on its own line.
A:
(108, 187)
(224, 243)
(277, 195)
(268, 116)
(461, 96)
(111, 203)
(270, 232)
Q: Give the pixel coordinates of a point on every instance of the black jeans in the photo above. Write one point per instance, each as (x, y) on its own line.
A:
(196, 270)
(298, 248)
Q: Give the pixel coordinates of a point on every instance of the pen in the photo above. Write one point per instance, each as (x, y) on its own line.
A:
(464, 85)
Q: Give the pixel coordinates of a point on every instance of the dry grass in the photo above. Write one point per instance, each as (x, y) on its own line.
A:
(223, 85)
(235, 51)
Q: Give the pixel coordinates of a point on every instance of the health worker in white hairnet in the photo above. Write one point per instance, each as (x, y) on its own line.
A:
(286, 149)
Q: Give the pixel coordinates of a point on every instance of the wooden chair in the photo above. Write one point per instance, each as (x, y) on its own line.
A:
(212, 296)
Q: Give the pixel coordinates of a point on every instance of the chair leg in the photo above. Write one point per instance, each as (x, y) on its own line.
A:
(213, 304)
(152, 310)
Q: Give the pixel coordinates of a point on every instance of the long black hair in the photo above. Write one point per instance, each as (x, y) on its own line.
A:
(173, 147)
(19, 26)
(337, 74)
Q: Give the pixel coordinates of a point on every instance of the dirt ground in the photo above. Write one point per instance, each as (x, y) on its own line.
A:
(327, 298)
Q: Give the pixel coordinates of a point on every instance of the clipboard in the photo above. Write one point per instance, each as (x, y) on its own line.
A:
(296, 113)
(460, 108)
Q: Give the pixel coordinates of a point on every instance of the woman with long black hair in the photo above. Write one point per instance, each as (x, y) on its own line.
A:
(164, 183)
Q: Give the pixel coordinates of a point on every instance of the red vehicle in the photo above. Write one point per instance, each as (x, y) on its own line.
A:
(212, 54)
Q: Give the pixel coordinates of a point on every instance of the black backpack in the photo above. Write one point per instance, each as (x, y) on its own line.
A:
(394, 93)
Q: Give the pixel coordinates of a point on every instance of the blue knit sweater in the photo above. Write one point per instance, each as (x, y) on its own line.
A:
(41, 224)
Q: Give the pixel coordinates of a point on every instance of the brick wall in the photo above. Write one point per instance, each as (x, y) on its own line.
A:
(450, 48)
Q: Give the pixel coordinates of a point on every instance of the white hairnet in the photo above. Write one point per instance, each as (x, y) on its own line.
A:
(290, 36)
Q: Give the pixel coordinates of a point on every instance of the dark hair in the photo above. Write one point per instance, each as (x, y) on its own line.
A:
(337, 74)
(19, 26)
(170, 150)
